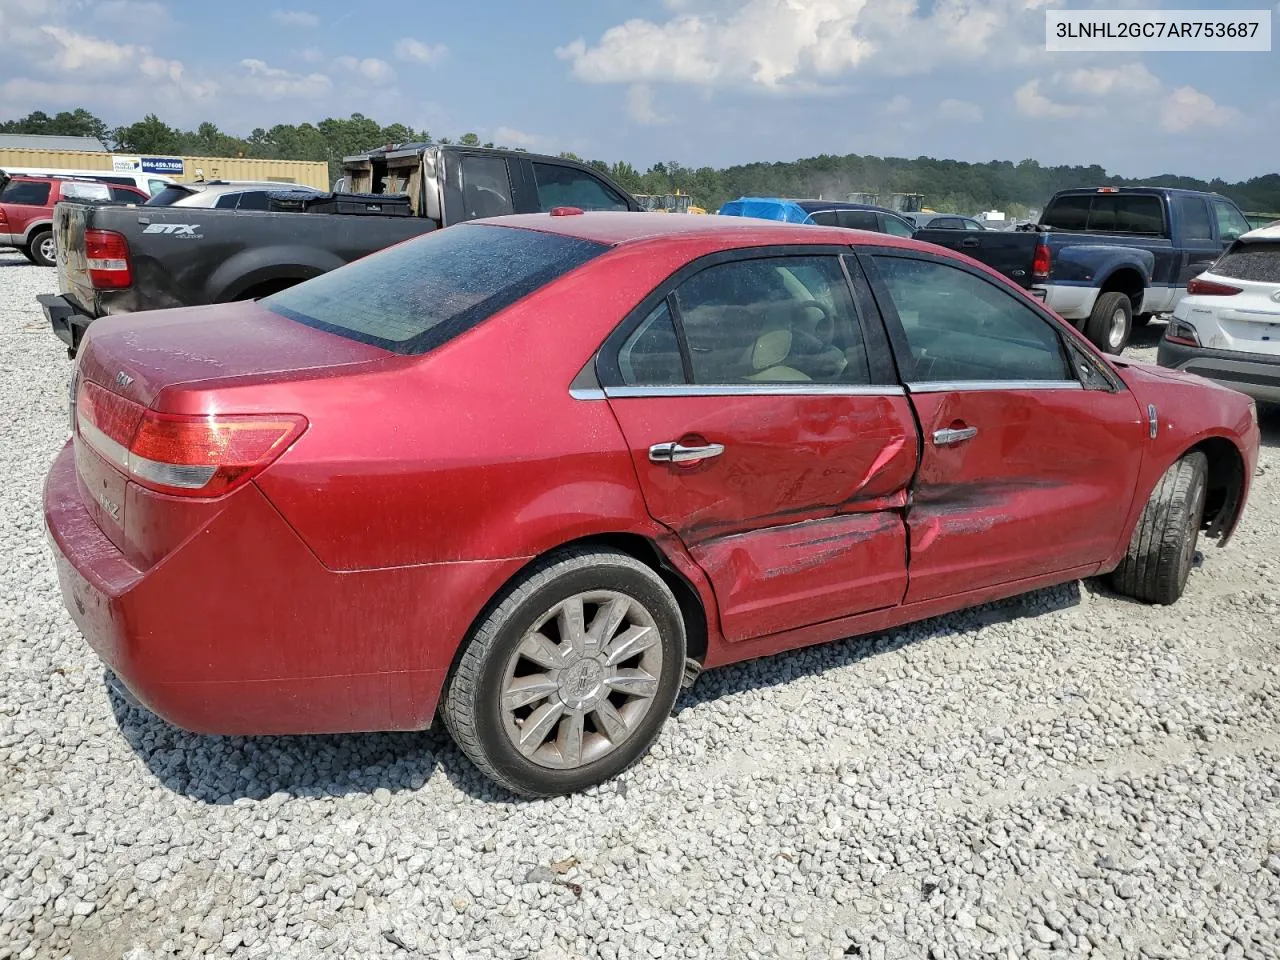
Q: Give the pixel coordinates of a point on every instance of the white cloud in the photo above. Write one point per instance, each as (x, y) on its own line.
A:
(295, 18)
(802, 44)
(899, 105)
(371, 68)
(1030, 102)
(415, 50)
(516, 138)
(1130, 78)
(311, 55)
(963, 111)
(1186, 108)
(273, 83)
(640, 105)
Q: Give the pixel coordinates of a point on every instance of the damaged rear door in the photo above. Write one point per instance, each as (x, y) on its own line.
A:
(768, 437)
(1030, 450)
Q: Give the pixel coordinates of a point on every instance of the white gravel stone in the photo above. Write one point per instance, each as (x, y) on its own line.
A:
(1061, 773)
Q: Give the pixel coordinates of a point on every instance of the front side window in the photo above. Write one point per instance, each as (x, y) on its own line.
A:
(772, 320)
(486, 189)
(960, 327)
(414, 296)
(253, 200)
(857, 219)
(26, 192)
(567, 187)
(897, 227)
(155, 186)
(947, 223)
(228, 201)
(971, 225)
(1231, 222)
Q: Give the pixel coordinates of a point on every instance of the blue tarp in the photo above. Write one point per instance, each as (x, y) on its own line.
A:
(766, 208)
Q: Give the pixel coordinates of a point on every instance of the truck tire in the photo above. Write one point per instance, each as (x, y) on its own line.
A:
(40, 249)
(1111, 322)
(1156, 565)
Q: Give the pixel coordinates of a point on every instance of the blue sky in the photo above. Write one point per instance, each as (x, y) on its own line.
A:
(699, 81)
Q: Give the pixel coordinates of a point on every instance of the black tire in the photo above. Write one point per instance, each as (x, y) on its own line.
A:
(1156, 565)
(471, 705)
(1103, 329)
(36, 248)
(26, 252)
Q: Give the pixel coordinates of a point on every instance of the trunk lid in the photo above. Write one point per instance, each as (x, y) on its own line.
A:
(173, 362)
(73, 272)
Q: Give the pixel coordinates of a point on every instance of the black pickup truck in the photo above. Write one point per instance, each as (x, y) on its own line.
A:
(124, 259)
(1106, 258)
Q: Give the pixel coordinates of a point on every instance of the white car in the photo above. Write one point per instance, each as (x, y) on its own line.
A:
(1227, 327)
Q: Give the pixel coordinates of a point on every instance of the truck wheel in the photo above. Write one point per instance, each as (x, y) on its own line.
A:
(1158, 561)
(26, 252)
(42, 250)
(568, 679)
(1110, 323)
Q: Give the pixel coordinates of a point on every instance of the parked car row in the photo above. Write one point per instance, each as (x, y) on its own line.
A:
(27, 204)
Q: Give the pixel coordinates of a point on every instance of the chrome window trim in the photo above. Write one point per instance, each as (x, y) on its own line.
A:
(586, 393)
(969, 386)
(754, 390)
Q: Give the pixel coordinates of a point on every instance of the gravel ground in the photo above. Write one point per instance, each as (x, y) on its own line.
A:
(1061, 775)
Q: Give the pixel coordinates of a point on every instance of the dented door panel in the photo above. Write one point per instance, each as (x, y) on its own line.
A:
(799, 519)
(1044, 484)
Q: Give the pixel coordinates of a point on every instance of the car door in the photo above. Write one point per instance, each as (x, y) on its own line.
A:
(25, 202)
(1198, 246)
(1027, 467)
(475, 185)
(767, 437)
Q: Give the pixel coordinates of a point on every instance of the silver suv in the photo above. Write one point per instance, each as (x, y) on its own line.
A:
(224, 194)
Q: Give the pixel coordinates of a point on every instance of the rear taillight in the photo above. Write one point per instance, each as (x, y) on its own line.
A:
(4, 217)
(106, 254)
(191, 456)
(1179, 331)
(1042, 263)
(1208, 288)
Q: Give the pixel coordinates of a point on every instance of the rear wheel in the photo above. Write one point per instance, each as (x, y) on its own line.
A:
(567, 682)
(1110, 322)
(1156, 565)
(26, 252)
(41, 250)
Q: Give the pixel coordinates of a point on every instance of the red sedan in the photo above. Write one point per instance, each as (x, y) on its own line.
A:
(533, 473)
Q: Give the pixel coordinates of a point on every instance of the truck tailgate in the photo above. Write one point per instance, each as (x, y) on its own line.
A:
(69, 224)
(1010, 252)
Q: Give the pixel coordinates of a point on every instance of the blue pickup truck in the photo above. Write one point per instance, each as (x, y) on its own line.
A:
(1108, 258)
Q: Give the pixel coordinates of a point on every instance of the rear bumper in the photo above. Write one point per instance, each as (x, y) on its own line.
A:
(1069, 301)
(1253, 374)
(68, 321)
(242, 631)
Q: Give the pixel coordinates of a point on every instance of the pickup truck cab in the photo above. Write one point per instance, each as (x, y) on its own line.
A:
(1108, 258)
(118, 260)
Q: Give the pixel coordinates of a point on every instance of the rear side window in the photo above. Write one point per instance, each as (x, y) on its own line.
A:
(858, 219)
(1257, 261)
(1231, 222)
(897, 227)
(168, 196)
(1127, 213)
(155, 186)
(125, 195)
(1195, 218)
(253, 200)
(228, 201)
(946, 223)
(25, 191)
(415, 296)
(486, 190)
(566, 187)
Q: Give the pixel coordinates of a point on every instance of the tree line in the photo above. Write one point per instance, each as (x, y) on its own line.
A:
(947, 185)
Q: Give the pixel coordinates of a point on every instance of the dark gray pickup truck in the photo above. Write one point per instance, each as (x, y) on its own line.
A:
(124, 259)
(1108, 258)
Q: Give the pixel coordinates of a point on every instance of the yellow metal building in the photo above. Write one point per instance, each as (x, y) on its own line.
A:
(312, 173)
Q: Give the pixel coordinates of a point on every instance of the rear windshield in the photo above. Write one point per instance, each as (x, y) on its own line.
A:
(1255, 260)
(415, 296)
(168, 196)
(1107, 213)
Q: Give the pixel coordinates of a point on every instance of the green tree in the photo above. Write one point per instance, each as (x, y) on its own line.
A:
(148, 135)
(469, 140)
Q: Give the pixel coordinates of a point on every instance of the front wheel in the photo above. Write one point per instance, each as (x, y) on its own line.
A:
(41, 250)
(1156, 565)
(1110, 322)
(568, 680)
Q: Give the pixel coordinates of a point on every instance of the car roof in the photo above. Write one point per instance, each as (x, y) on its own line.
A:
(617, 228)
(1150, 191)
(811, 206)
(227, 186)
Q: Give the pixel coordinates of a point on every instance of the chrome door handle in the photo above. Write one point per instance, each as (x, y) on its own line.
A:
(679, 453)
(944, 438)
